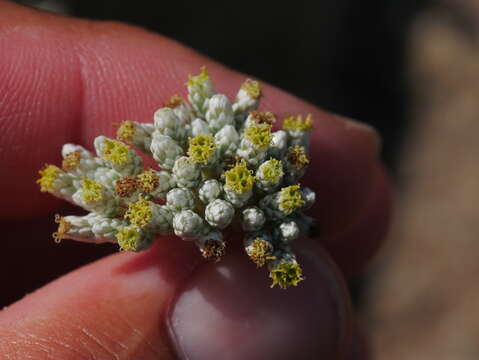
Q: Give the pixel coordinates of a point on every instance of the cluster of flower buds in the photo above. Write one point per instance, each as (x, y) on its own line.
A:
(220, 165)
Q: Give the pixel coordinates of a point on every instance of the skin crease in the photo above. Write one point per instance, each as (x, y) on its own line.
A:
(66, 80)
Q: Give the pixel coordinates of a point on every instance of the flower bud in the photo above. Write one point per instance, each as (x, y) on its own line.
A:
(219, 213)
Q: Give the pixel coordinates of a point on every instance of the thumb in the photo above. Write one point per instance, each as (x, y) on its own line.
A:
(124, 307)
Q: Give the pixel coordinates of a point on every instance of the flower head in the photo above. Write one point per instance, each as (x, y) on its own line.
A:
(259, 134)
(125, 187)
(71, 160)
(115, 152)
(260, 251)
(297, 157)
(92, 191)
(200, 79)
(48, 175)
(296, 123)
(129, 238)
(126, 131)
(263, 117)
(213, 250)
(139, 213)
(252, 88)
(174, 102)
(290, 199)
(202, 148)
(286, 274)
(272, 170)
(239, 179)
(63, 228)
(148, 181)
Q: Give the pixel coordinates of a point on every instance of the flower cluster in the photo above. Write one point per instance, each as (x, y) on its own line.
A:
(220, 165)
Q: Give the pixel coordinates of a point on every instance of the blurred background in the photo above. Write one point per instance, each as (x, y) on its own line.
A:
(408, 67)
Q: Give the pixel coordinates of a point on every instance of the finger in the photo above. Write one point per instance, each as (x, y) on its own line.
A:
(117, 308)
(352, 247)
(65, 80)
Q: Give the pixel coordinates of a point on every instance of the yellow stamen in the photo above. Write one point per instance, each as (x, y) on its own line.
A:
(252, 87)
(63, 228)
(148, 181)
(92, 191)
(296, 123)
(48, 175)
(272, 170)
(128, 238)
(202, 148)
(286, 274)
(297, 157)
(174, 102)
(139, 213)
(115, 152)
(199, 79)
(259, 135)
(290, 199)
(239, 179)
(126, 131)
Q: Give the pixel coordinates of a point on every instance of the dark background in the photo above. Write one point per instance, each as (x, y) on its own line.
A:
(347, 56)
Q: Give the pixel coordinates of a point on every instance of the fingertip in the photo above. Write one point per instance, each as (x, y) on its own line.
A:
(229, 308)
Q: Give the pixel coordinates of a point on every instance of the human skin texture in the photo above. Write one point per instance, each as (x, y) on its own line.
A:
(67, 80)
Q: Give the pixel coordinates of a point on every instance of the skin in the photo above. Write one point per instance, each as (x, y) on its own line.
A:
(66, 80)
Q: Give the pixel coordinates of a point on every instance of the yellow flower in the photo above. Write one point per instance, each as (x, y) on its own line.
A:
(115, 152)
(48, 175)
(174, 102)
(92, 191)
(128, 238)
(286, 274)
(290, 199)
(202, 148)
(148, 181)
(239, 178)
(272, 170)
(139, 213)
(126, 131)
(296, 123)
(252, 88)
(199, 79)
(259, 134)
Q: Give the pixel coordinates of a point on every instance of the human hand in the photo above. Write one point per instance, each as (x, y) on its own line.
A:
(66, 80)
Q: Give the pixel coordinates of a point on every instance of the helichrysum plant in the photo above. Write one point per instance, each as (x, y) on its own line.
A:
(220, 165)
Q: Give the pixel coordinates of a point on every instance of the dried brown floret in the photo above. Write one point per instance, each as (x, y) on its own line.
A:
(125, 187)
(71, 160)
(213, 250)
(263, 117)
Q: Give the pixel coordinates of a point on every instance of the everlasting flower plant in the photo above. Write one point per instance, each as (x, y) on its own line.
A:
(221, 165)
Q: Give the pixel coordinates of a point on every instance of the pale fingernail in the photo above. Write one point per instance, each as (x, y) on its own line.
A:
(228, 311)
